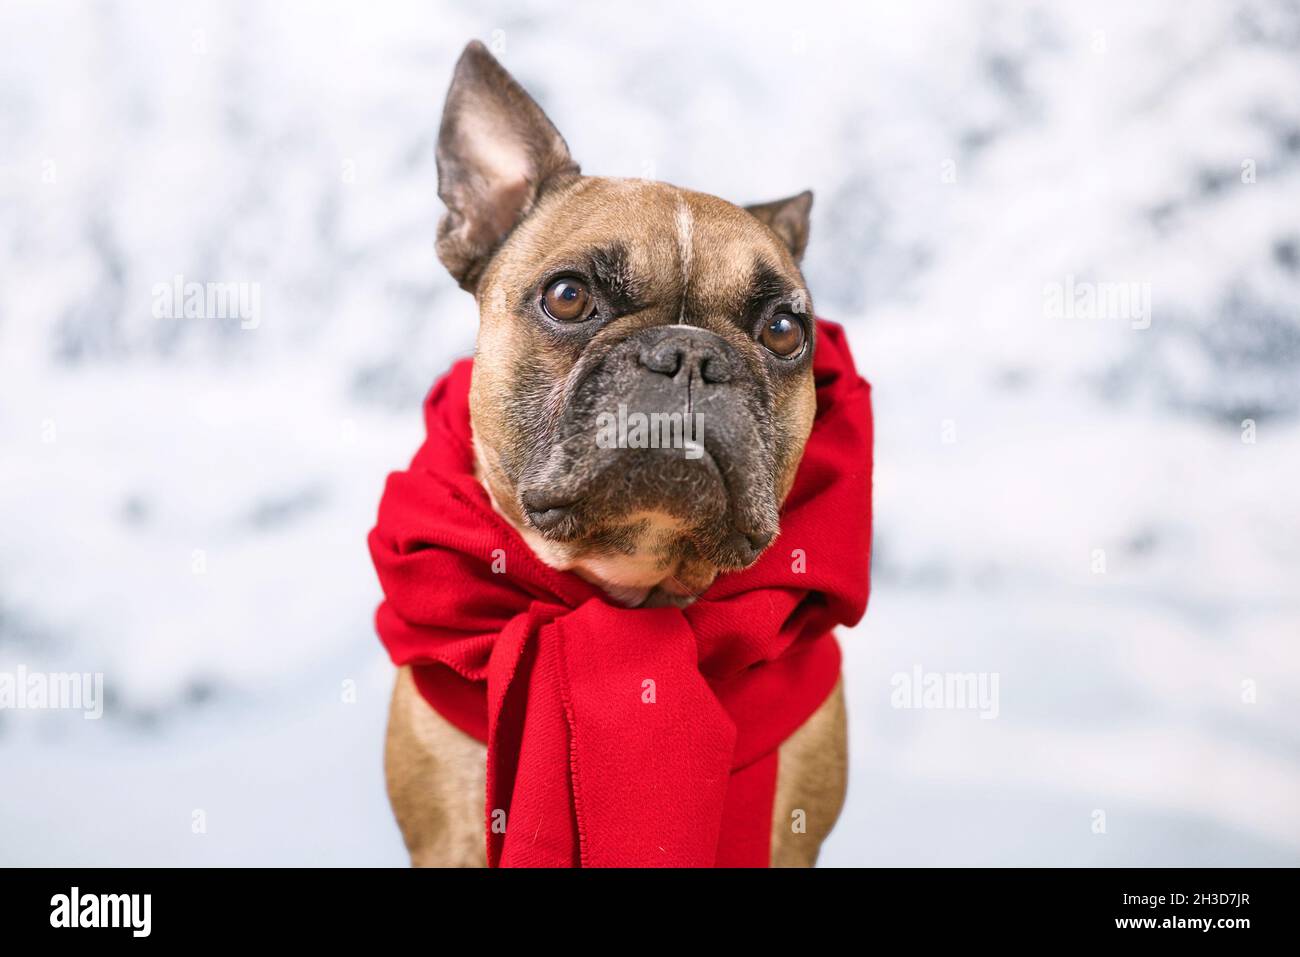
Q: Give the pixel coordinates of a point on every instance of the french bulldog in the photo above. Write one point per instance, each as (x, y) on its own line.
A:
(594, 294)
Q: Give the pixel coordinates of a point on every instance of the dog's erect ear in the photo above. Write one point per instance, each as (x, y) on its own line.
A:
(496, 152)
(788, 218)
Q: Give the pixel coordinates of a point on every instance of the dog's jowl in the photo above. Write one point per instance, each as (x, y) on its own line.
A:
(609, 652)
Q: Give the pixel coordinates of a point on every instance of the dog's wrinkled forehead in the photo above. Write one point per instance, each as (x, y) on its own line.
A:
(650, 247)
(653, 255)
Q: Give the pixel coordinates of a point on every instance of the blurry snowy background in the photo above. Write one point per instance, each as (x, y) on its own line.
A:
(1071, 503)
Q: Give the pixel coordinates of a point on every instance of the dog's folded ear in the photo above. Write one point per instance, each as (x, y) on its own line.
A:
(788, 218)
(497, 151)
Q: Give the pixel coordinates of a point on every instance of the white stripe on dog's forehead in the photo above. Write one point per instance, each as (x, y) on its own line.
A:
(685, 242)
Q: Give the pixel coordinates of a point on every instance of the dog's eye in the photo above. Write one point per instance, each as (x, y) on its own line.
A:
(783, 335)
(567, 300)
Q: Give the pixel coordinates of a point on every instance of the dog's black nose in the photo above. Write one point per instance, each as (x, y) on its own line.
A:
(697, 353)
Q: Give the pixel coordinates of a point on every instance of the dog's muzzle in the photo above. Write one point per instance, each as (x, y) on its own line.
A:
(670, 420)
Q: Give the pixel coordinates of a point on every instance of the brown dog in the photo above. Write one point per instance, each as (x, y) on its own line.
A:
(595, 293)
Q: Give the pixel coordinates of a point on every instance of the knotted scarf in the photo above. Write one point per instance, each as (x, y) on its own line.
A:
(625, 736)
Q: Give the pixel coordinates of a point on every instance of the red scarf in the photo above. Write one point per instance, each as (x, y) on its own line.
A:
(617, 736)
